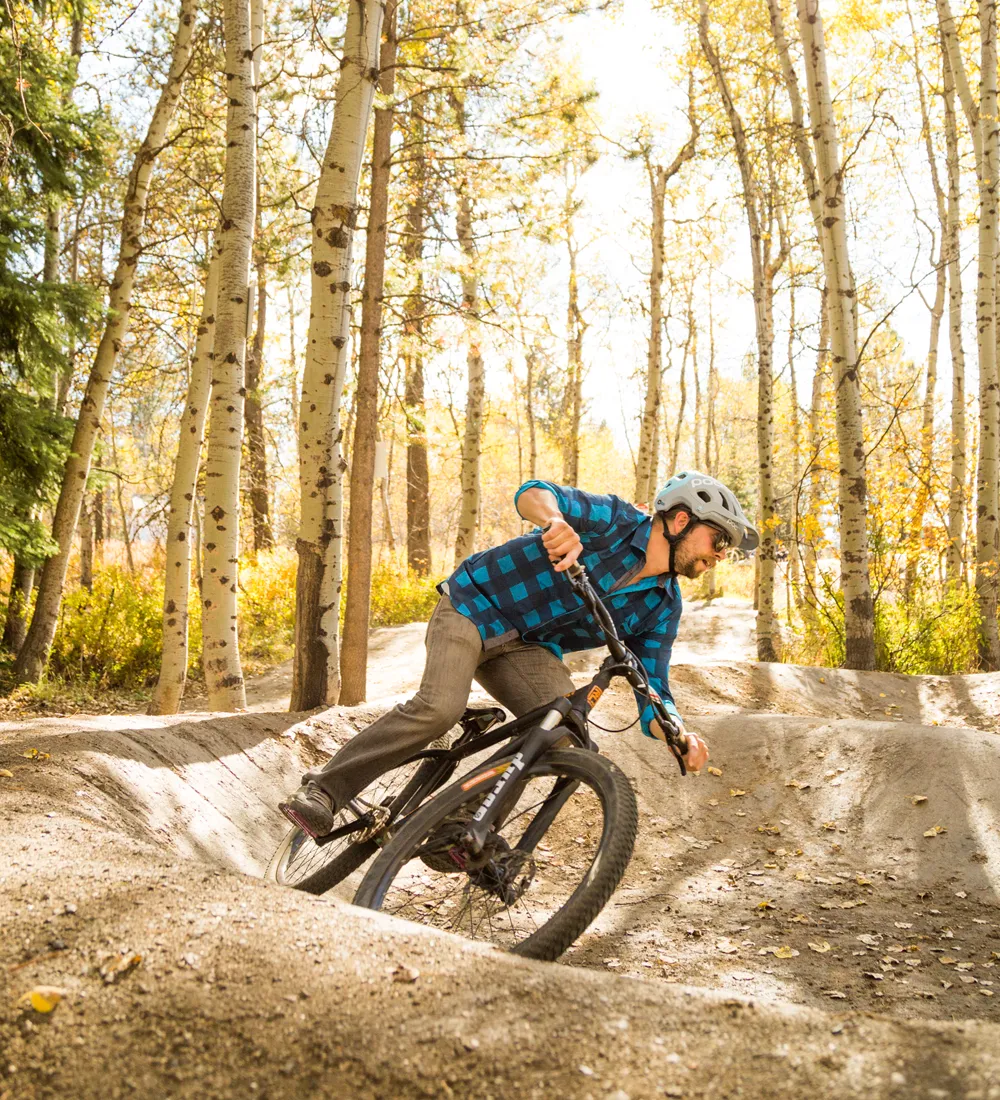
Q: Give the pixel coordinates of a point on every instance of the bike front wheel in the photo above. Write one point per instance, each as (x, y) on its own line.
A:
(540, 880)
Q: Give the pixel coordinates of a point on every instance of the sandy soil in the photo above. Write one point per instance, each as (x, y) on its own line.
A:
(786, 928)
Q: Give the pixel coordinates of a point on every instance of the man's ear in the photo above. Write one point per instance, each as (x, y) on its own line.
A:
(680, 521)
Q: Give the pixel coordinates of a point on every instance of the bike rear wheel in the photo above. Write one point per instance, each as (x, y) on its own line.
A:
(534, 889)
(301, 863)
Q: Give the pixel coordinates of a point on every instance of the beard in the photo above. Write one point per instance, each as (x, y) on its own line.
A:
(686, 563)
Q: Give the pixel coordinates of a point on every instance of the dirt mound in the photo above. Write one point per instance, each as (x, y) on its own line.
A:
(811, 919)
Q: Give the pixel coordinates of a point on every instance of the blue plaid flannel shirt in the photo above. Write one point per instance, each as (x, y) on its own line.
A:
(512, 591)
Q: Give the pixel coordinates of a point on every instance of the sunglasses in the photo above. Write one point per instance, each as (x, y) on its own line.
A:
(722, 540)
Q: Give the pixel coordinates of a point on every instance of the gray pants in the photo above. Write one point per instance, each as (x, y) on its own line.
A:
(518, 675)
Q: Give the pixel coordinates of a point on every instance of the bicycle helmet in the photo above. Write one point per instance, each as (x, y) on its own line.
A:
(708, 501)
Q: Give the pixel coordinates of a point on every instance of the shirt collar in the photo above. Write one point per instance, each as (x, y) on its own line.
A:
(640, 543)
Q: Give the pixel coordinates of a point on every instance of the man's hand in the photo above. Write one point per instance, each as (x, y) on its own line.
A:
(697, 753)
(562, 544)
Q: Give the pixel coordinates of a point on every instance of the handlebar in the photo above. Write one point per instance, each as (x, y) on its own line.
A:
(675, 740)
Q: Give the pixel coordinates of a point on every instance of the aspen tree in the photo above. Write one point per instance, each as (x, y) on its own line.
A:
(354, 653)
(468, 521)
(859, 619)
(260, 509)
(925, 465)
(659, 175)
(316, 666)
(956, 488)
(34, 653)
(760, 220)
(418, 533)
(987, 497)
(576, 328)
(220, 638)
(169, 689)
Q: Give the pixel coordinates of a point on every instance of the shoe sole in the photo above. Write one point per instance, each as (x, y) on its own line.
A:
(297, 819)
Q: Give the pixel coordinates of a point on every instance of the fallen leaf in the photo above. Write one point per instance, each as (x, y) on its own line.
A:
(820, 948)
(835, 994)
(902, 924)
(800, 918)
(961, 894)
(830, 826)
(735, 792)
(768, 904)
(6, 774)
(713, 802)
(851, 904)
(947, 960)
(120, 965)
(874, 975)
(713, 771)
(862, 881)
(35, 754)
(405, 974)
(822, 679)
(918, 798)
(785, 952)
(986, 992)
(44, 998)
(727, 947)
(936, 830)
(774, 830)
(867, 939)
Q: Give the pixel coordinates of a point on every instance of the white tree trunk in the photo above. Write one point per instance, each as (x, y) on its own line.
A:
(316, 668)
(645, 462)
(987, 499)
(859, 624)
(220, 639)
(177, 579)
(955, 570)
(34, 653)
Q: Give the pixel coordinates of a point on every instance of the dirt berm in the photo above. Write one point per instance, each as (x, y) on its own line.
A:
(821, 919)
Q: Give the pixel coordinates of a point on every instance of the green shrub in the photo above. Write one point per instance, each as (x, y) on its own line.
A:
(111, 637)
(401, 596)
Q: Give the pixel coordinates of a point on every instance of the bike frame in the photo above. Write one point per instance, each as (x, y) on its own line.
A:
(528, 738)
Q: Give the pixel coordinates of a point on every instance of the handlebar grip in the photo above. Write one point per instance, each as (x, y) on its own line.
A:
(575, 570)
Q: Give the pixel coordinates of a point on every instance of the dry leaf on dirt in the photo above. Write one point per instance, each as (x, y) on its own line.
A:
(43, 998)
(35, 754)
(406, 974)
(118, 966)
(936, 830)
(713, 771)
(820, 948)
(6, 774)
(727, 947)
(766, 904)
(830, 826)
(835, 994)
(918, 798)
(785, 952)
(800, 918)
(735, 792)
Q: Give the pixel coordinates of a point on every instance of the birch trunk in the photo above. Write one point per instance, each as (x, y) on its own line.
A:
(86, 548)
(682, 400)
(530, 358)
(953, 51)
(852, 483)
(987, 500)
(354, 655)
(764, 270)
(813, 532)
(468, 522)
(925, 468)
(955, 568)
(177, 578)
(316, 666)
(16, 621)
(575, 329)
(220, 639)
(35, 652)
(418, 524)
(260, 508)
(654, 357)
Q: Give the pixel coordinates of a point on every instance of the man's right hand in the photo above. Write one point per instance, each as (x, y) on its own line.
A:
(562, 544)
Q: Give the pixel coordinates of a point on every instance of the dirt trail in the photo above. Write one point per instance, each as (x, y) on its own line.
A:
(785, 929)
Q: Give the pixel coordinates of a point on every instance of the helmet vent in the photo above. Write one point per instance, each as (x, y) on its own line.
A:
(725, 503)
(706, 497)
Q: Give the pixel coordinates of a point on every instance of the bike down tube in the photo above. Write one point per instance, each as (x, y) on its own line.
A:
(538, 740)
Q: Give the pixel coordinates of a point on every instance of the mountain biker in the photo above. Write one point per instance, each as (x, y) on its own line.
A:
(507, 614)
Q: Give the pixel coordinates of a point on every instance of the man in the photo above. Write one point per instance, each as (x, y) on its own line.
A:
(506, 615)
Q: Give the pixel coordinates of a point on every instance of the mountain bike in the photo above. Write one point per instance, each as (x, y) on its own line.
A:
(526, 848)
